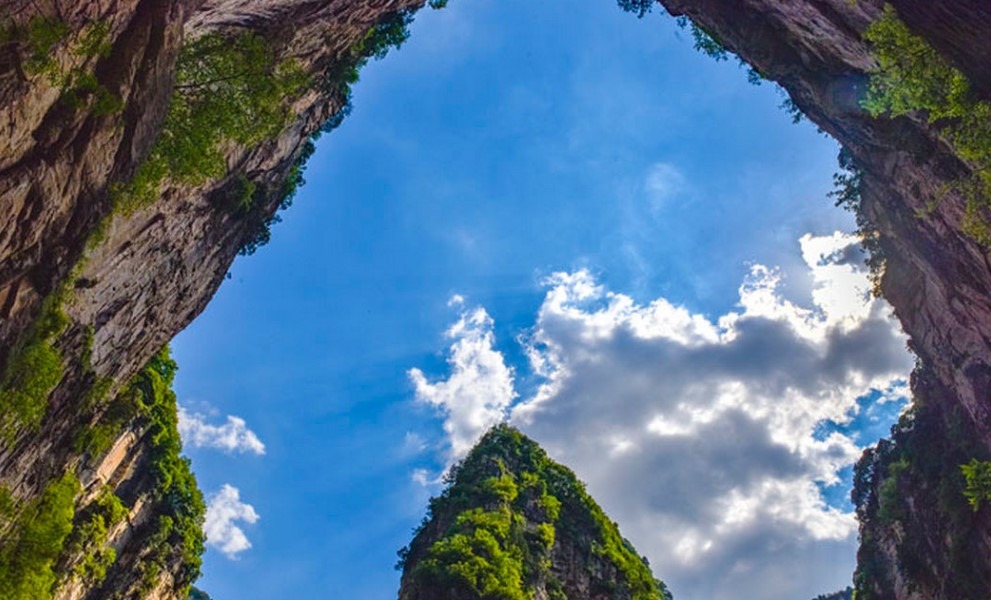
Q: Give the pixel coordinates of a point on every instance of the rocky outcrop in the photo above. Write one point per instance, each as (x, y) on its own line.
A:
(512, 523)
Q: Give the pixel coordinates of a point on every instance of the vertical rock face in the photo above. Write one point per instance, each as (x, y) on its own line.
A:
(119, 286)
(514, 524)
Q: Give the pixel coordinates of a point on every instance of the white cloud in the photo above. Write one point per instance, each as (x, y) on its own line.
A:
(223, 510)
(698, 434)
(232, 436)
(480, 387)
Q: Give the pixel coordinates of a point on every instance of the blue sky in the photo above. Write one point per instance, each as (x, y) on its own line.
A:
(507, 142)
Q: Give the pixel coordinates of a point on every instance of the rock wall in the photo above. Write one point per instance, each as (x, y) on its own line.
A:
(136, 284)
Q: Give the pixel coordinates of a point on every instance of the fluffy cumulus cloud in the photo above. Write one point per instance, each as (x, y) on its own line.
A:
(223, 513)
(701, 436)
(479, 389)
(232, 436)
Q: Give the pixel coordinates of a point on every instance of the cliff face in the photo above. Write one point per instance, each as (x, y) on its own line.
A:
(514, 524)
(89, 292)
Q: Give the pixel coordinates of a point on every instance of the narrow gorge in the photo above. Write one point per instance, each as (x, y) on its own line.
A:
(133, 170)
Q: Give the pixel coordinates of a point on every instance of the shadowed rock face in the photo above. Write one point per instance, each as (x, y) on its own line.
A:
(156, 269)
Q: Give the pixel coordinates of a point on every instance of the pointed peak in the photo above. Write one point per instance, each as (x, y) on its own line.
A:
(513, 524)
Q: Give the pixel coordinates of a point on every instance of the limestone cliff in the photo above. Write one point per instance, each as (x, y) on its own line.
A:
(514, 524)
(90, 291)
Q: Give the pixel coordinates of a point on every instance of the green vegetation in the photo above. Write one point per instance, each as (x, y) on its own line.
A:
(40, 41)
(178, 532)
(42, 530)
(88, 539)
(244, 199)
(227, 90)
(846, 594)
(507, 505)
(977, 474)
(8, 506)
(198, 594)
(97, 387)
(122, 410)
(707, 43)
(911, 77)
(391, 31)
(35, 542)
(235, 90)
(703, 40)
(34, 367)
(639, 7)
(910, 491)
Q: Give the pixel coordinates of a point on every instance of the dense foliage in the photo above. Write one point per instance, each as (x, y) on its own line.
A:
(912, 76)
(506, 506)
(178, 535)
(38, 41)
(391, 31)
(35, 540)
(198, 594)
(34, 367)
(245, 199)
(638, 7)
(87, 544)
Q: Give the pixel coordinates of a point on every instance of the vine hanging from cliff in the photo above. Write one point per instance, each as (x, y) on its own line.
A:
(37, 43)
